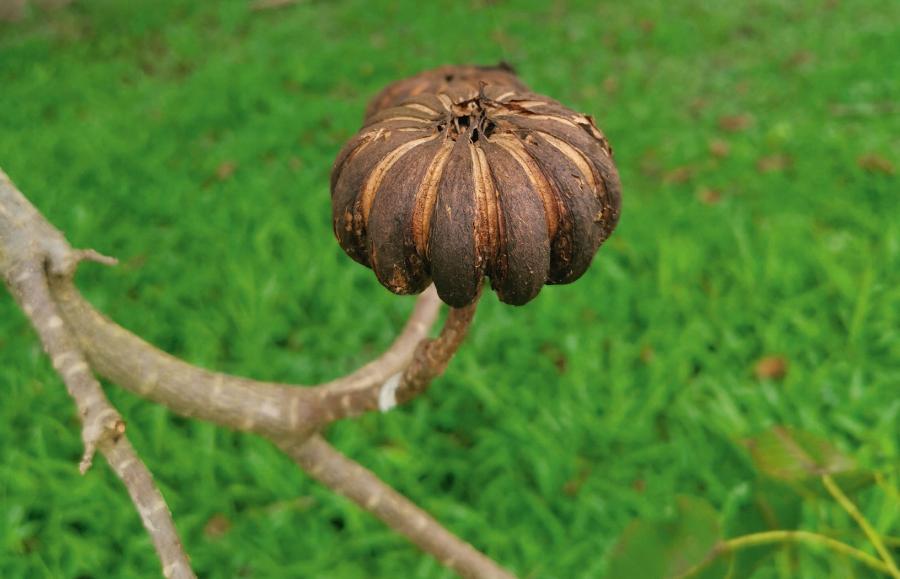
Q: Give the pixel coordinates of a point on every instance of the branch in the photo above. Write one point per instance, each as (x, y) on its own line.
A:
(401, 352)
(289, 416)
(24, 264)
(360, 485)
(774, 537)
(239, 403)
(123, 358)
(863, 523)
(267, 408)
(431, 359)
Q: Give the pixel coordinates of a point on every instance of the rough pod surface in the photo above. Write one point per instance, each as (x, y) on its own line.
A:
(439, 79)
(467, 183)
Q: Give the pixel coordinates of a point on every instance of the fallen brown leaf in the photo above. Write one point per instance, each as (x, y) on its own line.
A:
(679, 174)
(875, 163)
(649, 163)
(719, 148)
(735, 123)
(771, 367)
(611, 85)
(271, 4)
(773, 163)
(799, 58)
(709, 196)
(216, 526)
(225, 170)
(697, 106)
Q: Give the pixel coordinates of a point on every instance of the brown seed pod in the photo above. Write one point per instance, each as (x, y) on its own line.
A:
(440, 79)
(468, 183)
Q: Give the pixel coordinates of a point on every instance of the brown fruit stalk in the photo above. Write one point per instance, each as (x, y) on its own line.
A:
(467, 183)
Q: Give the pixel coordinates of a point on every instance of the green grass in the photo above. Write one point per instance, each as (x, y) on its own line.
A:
(558, 422)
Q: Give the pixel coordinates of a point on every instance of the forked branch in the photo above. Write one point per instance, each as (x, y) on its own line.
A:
(38, 266)
(26, 262)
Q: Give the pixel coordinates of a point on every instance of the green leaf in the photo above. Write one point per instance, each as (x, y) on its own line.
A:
(667, 549)
(794, 456)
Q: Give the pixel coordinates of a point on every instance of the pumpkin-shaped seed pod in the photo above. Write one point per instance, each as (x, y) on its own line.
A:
(439, 79)
(471, 183)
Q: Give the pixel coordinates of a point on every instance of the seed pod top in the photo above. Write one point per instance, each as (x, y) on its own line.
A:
(439, 79)
(471, 183)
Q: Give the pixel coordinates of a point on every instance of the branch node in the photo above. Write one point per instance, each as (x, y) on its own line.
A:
(107, 426)
(32, 252)
(62, 260)
(87, 459)
(96, 257)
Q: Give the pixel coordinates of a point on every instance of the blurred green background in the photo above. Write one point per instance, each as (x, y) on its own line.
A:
(754, 279)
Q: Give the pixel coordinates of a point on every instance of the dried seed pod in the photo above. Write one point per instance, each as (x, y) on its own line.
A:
(440, 79)
(471, 183)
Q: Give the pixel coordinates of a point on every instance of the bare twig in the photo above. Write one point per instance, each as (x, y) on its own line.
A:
(151, 506)
(25, 265)
(239, 403)
(267, 408)
(399, 355)
(430, 361)
(360, 485)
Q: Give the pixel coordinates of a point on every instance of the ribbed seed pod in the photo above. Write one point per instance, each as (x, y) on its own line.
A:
(470, 183)
(439, 79)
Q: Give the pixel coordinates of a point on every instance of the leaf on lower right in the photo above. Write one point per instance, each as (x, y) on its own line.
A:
(668, 548)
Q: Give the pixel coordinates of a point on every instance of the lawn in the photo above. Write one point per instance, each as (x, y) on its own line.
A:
(753, 281)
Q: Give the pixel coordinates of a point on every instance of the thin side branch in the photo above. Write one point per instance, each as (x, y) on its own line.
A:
(102, 427)
(360, 485)
(151, 507)
(804, 537)
(25, 272)
(798, 537)
(429, 362)
(127, 360)
(863, 523)
(401, 352)
(266, 408)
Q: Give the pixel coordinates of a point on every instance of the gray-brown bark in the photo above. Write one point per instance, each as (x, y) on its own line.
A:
(38, 265)
(31, 253)
(348, 478)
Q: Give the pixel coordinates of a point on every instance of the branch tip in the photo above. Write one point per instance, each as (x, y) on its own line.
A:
(63, 261)
(87, 459)
(96, 257)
